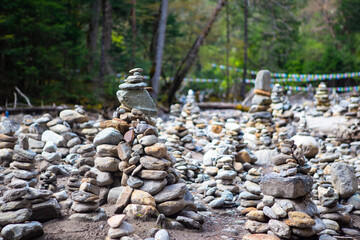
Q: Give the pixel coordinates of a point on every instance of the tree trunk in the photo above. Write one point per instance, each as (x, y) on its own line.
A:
(134, 31)
(93, 33)
(160, 43)
(189, 59)
(105, 42)
(242, 93)
(227, 51)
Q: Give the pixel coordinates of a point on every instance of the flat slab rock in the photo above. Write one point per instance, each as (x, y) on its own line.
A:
(28, 230)
(286, 187)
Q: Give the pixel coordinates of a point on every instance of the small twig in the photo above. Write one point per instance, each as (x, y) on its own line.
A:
(24, 96)
(15, 99)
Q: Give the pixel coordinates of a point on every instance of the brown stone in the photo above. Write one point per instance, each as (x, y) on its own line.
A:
(171, 207)
(243, 157)
(260, 236)
(6, 138)
(247, 210)
(299, 220)
(216, 128)
(158, 150)
(257, 215)
(123, 199)
(7, 144)
(142, 198)
(140, 211)
(124, 151)
(152, 174)
(116, 123)
(116, 220)
(129, 136)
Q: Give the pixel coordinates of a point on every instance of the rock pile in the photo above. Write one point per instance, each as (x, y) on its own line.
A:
(261, 100)
(149, 183)
(175, 111)
(190, 113)
(322, 98)
(261, 117)
(118, 227)
(252, 195)
(7, 141)
(353, 107)
(286, 211)
(86, 201)
(87, 158)
(15, 213)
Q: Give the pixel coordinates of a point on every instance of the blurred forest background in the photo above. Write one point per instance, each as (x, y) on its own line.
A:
(77, 51)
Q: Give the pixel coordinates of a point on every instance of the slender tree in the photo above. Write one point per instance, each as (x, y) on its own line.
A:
(227, 51)
(159, 49)
(92, 35)
(134, 31)
(105, 42)
(190, 57)
(242, 91)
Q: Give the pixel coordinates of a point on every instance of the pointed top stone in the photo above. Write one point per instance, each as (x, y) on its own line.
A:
(263, 80)
(132, 71)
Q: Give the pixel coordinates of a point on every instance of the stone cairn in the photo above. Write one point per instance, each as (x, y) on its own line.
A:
(286, 209)
(7, 141)
(303, 140)
(279, 105)
(190, 113)
(144, 167)
(119, 227)
(179, 142)
(322, 98)
(353, 107)
(175, 111)
(15, 214)
(252, 195)
(261, 117)
(34, 129)
(86, 200)
(87, 158)
(277, 100)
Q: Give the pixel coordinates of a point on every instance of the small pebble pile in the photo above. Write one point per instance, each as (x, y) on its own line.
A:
(86, 200)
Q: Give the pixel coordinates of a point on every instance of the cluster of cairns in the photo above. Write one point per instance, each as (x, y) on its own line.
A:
(146, 168)
(23, 205)
(280, 107)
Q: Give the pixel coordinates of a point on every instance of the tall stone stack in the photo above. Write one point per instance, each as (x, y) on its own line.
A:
(87, 158)
(175, 111)
(353, 106)
(149, 183)
(23, 163)
(179, 142)
(286, 209)
(261, 117)
(190, 112)
(262, 99)
(86, 201)
(277, 99)
(7, 141)
(322, 98)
